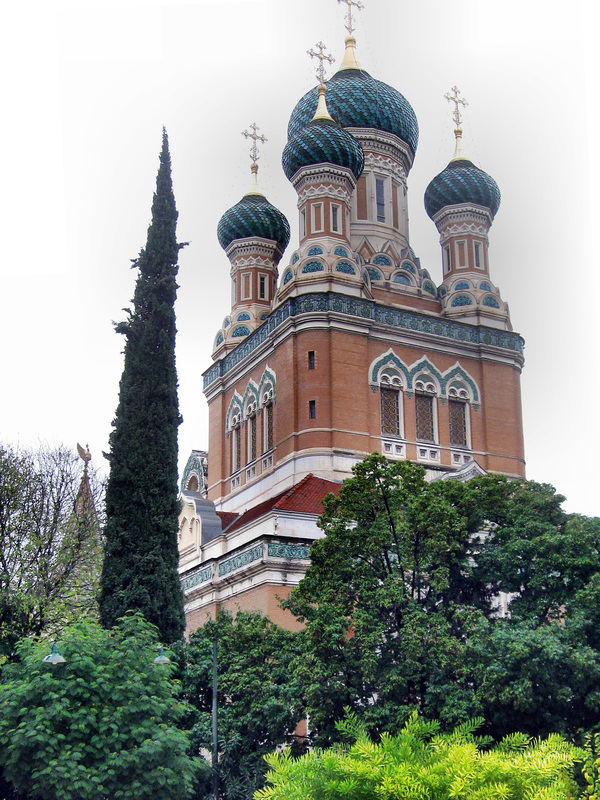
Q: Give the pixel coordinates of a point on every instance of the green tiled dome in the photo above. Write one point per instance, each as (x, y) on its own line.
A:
(462, 182)
(356, 100)
(253, 216)
(322, 141)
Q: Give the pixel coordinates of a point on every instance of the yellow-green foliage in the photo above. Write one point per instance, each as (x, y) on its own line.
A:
(422, 764)
(591, 768)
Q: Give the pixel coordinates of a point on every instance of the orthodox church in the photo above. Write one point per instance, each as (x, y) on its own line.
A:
(345, 346)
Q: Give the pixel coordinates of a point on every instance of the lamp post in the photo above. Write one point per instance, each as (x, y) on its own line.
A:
(215, 745)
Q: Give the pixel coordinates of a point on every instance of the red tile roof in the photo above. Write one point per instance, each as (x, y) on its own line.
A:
(305, 497)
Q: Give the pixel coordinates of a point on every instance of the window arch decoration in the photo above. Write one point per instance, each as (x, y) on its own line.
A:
(295, 258)
(485, 286)
(195, 468)
(235, 413)
(344, 266)
(315, 251)
(243, 317)
(425, 373)
(461, 286)
(429, 288)
(462, 300)
(312, 266)
(241, 330)
(251, 399)
(219, 339)
(388, 364)
(403, 279)
(340, 251)
(490, 301)
(456, 377)
(267, 388)
(288, 276)
(374, 274)
(382, 261)
(408, 266)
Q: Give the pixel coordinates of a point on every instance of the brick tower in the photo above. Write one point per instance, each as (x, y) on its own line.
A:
(353, 349)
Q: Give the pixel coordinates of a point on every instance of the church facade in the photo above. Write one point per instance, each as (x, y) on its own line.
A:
(343, 345)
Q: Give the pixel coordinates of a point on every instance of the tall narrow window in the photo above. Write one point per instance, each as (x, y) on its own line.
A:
(424, 415)
(335, 218)
(477, 250)
(251, 451)
(458, 423)
(395, 217)
(267, 428)
(461, 254)
(390, 412)
(380, 197)
(236, 449)
(361, 198)
(312, 409)
(303, 223)
(311, 359)
(446, 259)
(263, 287)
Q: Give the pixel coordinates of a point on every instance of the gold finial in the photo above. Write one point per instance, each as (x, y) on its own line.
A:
(84, 455)
(351, 4)
(322, 58)
(454, 98)
(254, 155)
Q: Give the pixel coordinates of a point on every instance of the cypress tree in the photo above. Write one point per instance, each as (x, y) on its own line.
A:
(140, 562)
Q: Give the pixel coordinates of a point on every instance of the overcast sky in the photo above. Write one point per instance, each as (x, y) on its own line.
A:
(87, 88)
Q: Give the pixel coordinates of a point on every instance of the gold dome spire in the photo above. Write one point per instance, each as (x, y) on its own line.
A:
(350, 60)
(322, 112)
(454, 98)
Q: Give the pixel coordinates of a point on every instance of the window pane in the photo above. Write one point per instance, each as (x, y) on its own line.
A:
(235, 450)
(458, 423)
(390, 417)
(251, 439)
(380, 200)
(424, 412)
(268, 423)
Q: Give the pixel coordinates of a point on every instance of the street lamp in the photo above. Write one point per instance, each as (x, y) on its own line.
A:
(54, 657)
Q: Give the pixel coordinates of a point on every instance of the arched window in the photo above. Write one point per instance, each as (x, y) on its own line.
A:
(236, 444)
(426, 408)
(459, 415)
(390, 389)
(267, 415)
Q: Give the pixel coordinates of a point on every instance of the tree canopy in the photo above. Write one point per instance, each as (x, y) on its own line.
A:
(140, 564)
(105, 724)
(401, 606)
(50, 545)
(423, 764)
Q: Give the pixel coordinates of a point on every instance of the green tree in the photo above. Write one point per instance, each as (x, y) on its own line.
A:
(258, 706)
(389, 600)
(103, 724)
(400, 606)
(422, 764)
(140, 564)
(50, 546)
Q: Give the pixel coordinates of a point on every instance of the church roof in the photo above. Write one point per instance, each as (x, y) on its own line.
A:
(305, 497)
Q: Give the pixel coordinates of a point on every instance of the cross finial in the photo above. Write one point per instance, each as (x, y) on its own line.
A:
(322, 58)
(454, 98)
(358, 6)
(254, 154)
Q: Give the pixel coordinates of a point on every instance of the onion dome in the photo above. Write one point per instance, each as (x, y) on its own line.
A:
(322, 141)
(462, 182)
(253, 217)
(356, 100)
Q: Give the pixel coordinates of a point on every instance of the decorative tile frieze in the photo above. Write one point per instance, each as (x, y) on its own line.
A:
(289, 551)
(196, 578)
(240, 560)
(365, 309)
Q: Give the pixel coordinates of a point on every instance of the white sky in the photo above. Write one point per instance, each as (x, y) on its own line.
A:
(87, 88)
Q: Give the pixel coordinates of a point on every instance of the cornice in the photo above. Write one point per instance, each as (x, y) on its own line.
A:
(360, 312)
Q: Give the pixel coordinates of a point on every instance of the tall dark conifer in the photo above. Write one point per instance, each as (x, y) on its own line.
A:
(140, 564)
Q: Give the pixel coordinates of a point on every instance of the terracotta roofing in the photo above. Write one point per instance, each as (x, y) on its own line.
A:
(226, 517)
(305, 497)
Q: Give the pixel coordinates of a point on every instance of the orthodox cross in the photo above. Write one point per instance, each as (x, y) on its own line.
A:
(454, 98)
(351, 3)
(254, 154)
(322, 57)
